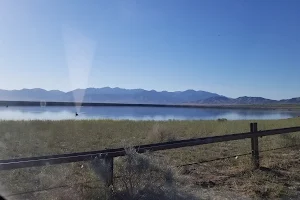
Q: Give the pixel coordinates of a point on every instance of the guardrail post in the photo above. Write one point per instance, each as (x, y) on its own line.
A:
(254, 146)
(109, 164)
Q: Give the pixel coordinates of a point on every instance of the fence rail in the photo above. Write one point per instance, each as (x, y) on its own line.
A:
(109, 154)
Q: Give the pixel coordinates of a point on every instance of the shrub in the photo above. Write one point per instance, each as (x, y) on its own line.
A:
(160, 133)
(143, 177)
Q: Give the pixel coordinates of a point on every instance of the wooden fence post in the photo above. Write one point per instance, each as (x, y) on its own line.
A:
(254, 146)
(109, 165)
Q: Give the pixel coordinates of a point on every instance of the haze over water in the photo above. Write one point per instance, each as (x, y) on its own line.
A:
(139, 113)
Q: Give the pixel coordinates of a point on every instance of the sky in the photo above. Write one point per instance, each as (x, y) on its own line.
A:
(233, 47)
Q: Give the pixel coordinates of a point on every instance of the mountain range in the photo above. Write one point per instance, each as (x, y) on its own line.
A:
(222, 100)
(120, 95)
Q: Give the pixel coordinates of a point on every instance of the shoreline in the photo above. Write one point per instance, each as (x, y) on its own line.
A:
(290, 107)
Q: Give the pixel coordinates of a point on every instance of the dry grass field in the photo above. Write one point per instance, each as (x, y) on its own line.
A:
(278, 178)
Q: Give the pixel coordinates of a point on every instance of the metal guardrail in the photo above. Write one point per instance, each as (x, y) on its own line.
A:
(109, 154)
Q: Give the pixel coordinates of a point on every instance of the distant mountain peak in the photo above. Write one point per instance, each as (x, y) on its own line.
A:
(190, 90)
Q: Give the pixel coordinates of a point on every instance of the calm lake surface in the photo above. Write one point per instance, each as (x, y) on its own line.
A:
(138, 113)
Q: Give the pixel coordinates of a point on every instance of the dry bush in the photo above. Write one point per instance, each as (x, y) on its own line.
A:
(160, 133)
(143, 177)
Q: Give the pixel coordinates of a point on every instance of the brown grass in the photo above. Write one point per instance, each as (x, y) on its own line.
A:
(34, 138)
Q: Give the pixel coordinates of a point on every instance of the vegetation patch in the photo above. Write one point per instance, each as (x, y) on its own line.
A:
(278, 177)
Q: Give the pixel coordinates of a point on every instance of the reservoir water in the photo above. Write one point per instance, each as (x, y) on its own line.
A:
(139, 113)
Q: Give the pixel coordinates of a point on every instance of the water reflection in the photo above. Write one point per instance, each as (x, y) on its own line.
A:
(138, 113)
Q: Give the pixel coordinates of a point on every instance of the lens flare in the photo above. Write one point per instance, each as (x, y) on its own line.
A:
(79, 52)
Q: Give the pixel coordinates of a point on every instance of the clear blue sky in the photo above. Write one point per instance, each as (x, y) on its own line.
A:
(231, 47)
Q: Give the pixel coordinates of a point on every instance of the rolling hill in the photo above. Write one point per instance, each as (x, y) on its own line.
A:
(221, 100)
